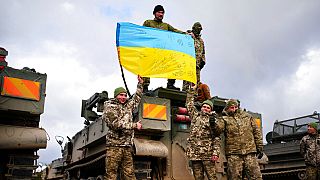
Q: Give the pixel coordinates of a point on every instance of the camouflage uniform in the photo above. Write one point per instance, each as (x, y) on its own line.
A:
(200, 58)
(201, 143)
(242, 140)
(310, 150)
(119, 138)
(164, 26)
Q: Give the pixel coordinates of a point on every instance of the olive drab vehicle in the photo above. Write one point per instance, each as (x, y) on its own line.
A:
(159, 148)
(22, 96)
(283, 148)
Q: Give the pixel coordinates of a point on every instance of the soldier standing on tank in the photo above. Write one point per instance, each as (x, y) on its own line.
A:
(310, 150)
(117, 114)
(203, 147)
(200, 52)
(243, 141)
(157, 22)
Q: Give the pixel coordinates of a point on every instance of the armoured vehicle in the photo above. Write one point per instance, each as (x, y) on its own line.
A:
(21, 104)
(159, 148)
(283, 148)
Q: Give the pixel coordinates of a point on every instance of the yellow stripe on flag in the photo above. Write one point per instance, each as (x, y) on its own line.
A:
(154, 111)
(154, 62)
(21, 88)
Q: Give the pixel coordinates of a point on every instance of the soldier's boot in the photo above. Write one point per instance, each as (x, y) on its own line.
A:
(170, 84)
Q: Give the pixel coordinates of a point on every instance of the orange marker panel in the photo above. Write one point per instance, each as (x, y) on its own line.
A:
(154, 111)
(22, 88)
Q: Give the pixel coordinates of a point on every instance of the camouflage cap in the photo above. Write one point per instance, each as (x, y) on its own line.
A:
(3, 51)
(197, 25)
(232, 102)
(119, 90)
(208, 102)
(158, 8)
(313, 125)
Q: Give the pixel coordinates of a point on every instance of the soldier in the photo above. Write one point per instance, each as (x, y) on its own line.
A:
(157, 22)
(203, 148)
(200, 52)
(3, 55)
(310, 150)
(243, 140)
(117, 114)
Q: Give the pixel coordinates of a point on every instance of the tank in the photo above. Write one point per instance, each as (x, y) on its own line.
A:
(22, 97)
(159, 148)
(283, 148)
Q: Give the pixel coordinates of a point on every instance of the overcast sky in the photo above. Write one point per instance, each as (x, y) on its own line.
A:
(265, 53)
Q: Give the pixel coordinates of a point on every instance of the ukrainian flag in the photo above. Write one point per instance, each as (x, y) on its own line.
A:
(156, 53)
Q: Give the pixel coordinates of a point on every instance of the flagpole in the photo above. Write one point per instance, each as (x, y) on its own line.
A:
(124, 79)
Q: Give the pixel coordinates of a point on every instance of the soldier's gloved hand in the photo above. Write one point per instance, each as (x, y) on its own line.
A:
(212, 121)
(202, 63)
(259, 153)
(214, 158)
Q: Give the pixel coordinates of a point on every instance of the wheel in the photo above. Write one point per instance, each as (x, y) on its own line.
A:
(302, 175)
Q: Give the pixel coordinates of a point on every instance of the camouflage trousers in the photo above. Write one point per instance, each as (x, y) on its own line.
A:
(185, 83)
(119, 159)
(199, 167)
(239, 163)
(313, 173)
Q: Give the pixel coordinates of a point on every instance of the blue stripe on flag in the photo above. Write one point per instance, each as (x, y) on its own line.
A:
(132, 35)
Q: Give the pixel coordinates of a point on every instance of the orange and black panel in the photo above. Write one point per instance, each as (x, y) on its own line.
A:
(154, 111)
(21, 88)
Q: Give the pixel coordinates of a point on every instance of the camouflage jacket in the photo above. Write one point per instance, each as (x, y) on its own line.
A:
(161, 25)
(310, 149)
(201, 144)
(242, 135)
(119, 120)
(199, 48)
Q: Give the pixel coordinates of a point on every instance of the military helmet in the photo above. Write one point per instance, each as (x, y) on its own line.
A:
(3, 52)
(197, 25)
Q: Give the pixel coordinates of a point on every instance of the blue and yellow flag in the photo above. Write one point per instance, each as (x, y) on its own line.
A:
(156, 53)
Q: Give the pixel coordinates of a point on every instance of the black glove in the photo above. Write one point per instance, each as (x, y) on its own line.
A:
(201, 65)
(259, 153)
(212, 121)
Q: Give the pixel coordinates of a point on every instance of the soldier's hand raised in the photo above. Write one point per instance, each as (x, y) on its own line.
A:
(140, 80)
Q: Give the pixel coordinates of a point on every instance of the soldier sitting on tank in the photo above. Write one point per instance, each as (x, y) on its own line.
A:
(203, 147)
(310, 150)
(243, 141)
(117, 114)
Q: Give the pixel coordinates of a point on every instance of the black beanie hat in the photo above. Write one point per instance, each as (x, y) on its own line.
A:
(158, 8)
